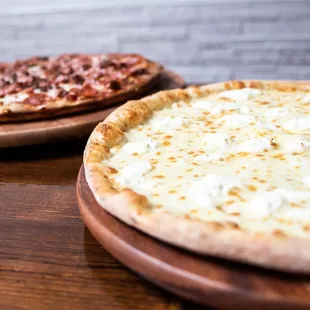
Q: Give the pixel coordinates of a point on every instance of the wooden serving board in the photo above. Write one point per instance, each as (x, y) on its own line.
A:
(71, 126)
(210, 281)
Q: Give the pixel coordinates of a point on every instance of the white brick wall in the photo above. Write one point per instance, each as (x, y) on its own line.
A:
(204, 40)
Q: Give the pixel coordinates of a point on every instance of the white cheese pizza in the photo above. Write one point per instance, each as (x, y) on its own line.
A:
(221, 169)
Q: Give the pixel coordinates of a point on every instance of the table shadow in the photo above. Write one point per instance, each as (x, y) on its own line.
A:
(43, 151)
(94, 253)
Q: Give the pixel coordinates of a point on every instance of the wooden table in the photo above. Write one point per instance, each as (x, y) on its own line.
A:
(48, 259)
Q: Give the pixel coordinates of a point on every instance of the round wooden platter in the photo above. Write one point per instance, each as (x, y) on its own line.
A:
(71, 126)
(206, 280)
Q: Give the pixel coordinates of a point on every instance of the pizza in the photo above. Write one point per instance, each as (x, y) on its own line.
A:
(221, 169)
(48, 86)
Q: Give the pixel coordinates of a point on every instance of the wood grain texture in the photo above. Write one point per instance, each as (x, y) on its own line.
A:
(48, 259)
(211, 281)
(68, 127)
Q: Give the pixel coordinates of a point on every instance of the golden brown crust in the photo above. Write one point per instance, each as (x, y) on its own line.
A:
(26, 112)
(226, 240)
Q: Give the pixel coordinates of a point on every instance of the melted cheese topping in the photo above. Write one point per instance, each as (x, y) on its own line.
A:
(9, 99)
(240, 156)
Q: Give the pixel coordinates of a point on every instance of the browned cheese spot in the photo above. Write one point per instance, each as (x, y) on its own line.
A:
(229, 202)
(306, 227)
(233, 225)
(110, 170)
(227, 99)
(279, 233)
(279, 156)
(274, 144)
(235, 213)
(234, 193)
(294, 205)
(252, 188)
(159, 176)
(217, 225)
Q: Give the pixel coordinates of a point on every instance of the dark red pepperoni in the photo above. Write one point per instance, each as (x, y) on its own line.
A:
(62, 93)
(115, 85)
(88, 91)
(78, 79)
(72, 97)
(37, 99)
(86, 66)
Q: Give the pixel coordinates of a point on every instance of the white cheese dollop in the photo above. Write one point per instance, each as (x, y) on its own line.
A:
(297, 124)
(145, 187)
(203, 104)
(298, 162)
(216, 140)
(132, 174)
(265, 204)
(216, 108)
(139, 147)
(255, 145)
(296, 145)
(237, 121)
(240, 94)
(273, 113)
(171, 123)
(212, 186)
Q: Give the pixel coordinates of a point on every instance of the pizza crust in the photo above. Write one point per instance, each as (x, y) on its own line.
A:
(227, 240)
(24, 112)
